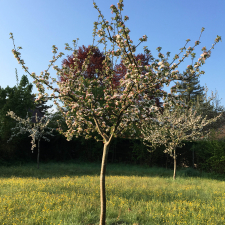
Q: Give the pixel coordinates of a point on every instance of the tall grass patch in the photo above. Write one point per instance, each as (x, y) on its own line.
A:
(69, 194)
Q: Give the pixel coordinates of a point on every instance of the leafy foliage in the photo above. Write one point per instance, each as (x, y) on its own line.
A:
(18, 99)
(211, 155)
(196, 96)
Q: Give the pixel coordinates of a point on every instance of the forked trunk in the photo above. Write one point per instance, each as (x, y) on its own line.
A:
(102, 184)
(175, 165)
(38, 155)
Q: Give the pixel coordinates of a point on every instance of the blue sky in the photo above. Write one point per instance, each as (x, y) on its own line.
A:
(37, 25)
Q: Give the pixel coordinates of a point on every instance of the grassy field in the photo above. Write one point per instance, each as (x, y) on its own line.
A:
(68, 193)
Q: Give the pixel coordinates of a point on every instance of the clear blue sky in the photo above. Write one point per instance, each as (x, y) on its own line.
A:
(37, 25)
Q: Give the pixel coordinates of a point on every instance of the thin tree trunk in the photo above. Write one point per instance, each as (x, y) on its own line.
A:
(102, 184)
(175, 165)
(38, 155)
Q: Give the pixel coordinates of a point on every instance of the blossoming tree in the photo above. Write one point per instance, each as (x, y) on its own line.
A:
(174, 126)
(95, 67)
(112, 111)
(37, 130)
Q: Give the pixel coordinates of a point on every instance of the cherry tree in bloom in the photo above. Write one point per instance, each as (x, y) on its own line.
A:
(174, 126)
(37, 130)
(95, 67)
(144, 59)
(111, 111)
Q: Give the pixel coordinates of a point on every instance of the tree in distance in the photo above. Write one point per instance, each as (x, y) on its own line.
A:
(174, 126)
(36, 129)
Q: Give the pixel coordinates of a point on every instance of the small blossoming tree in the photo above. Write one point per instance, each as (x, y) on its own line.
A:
(93, 104)
(37, 130)
(174, 126)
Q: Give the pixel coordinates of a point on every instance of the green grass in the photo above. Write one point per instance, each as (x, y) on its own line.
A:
(68, 193)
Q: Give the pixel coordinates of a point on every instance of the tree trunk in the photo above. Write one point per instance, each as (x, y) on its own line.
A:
(38, 155)
(102, 184)
(175, 165)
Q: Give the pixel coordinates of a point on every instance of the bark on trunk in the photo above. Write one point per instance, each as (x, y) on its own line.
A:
(38, 155)
(175, 165)
(102, 184)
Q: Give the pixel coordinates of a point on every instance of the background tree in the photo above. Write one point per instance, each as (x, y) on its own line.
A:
(191, 91)
(174, 126)
(41, 108)
(19, 99)
(93, 69)
(211, 108)
(193, 94)
(206, 106)
(82, 53)
(37, 130)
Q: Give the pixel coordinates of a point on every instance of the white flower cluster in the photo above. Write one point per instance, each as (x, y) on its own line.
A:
(174, 126)
(37, 130)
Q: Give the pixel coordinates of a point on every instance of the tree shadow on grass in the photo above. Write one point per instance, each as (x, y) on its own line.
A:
(56, 170)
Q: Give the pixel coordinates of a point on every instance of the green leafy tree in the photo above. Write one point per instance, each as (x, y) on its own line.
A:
(195, 96)
(41, 107)
(18, 99)
(211, 108)
(190, 90)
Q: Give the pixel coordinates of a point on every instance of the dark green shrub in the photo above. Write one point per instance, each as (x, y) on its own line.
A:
(190, 172)
(210, 155)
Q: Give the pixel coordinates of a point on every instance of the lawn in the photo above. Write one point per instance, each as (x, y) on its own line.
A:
(68, 193)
